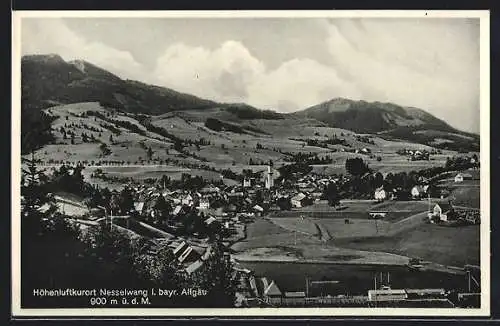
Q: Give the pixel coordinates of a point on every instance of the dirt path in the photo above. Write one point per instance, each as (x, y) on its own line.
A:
(323, 233)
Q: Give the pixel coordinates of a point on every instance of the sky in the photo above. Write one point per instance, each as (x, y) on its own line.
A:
(283, 64)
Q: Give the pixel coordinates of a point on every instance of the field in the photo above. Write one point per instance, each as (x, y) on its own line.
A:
(466, 193)
(404, 231)
(454, 246)
(225, 149)
(356, 209)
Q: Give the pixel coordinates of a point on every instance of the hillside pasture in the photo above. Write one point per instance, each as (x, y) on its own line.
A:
(145, 172)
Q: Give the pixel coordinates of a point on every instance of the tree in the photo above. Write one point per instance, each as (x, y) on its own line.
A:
(163, 208)
(217, 278)
(331, 194)
(104, 149)
(111, 140)
(47, 239)
(356, 166)
(379, 179)
(126, 200)
(149, 153)
(284, 203)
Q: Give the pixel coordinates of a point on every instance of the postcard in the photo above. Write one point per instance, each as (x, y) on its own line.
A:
(250, 163)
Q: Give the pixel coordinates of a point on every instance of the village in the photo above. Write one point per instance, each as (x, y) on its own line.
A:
(185, 217)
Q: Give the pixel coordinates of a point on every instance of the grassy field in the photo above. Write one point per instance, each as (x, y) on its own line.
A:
(446, 245)
(356, 209)
(225, 149)
(466, 196)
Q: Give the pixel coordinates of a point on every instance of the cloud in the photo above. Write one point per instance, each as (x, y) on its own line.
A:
(222, 74)
(231, 73)
(297, 84)
(432, 66)
(51, 35)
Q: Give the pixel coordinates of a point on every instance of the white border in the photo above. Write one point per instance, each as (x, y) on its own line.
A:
(483, 15)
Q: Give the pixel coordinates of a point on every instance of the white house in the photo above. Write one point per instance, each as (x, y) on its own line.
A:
(188, 200)
(139, 206)
(298, 200)
(418, 191)
(177, 210)
(380, 194)
(204, 204)
(247, 182)
(258, 208)
(462, 176)
(443, 211)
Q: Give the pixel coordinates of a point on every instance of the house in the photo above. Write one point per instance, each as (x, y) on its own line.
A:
(377, 214)
(418, 191)
(443, 211)
(177, 210)
(460, 177)
(247, 183)
(210, 220)
(187, 200)
(204, 204)
(139, 206)
(258, 209)
(380, 194)
(299, 200)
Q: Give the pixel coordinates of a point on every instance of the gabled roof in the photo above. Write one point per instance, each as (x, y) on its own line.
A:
(139, 206)
(210, 220)
(299, 197)
(258, 208)
(272, 290)
(177, 209)
(297, 294)
(180, 248)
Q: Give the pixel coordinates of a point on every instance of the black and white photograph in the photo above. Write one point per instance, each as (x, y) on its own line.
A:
(250, 163)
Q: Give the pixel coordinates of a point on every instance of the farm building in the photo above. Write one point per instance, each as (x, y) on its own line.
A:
(380, 194)
(443, 212)
(460, 177)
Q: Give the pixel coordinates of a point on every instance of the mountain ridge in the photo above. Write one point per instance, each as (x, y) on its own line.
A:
(49, 80)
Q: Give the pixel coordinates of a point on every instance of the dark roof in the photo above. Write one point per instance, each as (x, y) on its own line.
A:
(445, 206)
